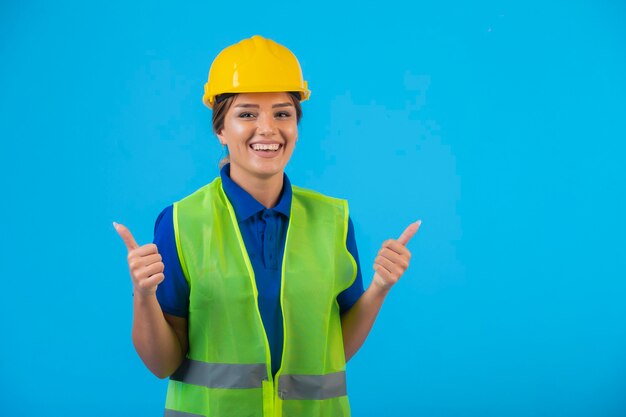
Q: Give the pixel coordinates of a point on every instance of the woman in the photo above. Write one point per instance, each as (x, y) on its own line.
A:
(251, 298)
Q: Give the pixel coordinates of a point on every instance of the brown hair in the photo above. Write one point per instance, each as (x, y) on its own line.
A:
(223, 103)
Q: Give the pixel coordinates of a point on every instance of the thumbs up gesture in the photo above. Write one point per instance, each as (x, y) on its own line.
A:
(144, 262)
(393, 258)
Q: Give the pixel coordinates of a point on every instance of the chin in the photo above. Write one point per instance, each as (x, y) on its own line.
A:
(265, 169)
(269, 171)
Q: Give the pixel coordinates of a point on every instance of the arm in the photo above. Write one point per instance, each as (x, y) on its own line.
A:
(160, 340)
(357, 322)
(391, 262)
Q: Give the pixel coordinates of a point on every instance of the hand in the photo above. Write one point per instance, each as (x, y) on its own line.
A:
(144, 262)
(393, 258)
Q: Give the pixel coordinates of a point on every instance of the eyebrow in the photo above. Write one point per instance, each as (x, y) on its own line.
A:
(245, 105)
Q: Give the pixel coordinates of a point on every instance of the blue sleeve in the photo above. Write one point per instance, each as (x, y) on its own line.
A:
(350, 295)
(173, 292)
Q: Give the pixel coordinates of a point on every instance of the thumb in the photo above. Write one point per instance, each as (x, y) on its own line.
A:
(409, 232)
(126, 236)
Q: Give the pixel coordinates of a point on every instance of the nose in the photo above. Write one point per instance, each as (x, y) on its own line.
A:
(266, 125)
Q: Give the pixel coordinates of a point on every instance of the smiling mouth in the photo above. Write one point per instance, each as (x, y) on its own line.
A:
(266, 147)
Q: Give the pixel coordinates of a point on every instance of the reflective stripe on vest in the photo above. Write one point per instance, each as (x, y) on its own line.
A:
(312, 387)
(290, 387)
(233, 375)
(221, 375)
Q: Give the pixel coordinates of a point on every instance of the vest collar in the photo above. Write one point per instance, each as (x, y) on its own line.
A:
(245, 205)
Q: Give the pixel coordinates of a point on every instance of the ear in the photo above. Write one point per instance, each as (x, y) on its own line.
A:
(220, 136)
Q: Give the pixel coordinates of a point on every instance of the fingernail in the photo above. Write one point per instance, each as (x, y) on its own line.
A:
(418, 222)
(115, 225)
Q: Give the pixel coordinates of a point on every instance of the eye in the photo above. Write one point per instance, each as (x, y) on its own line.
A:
(246, 115)
(283, 115)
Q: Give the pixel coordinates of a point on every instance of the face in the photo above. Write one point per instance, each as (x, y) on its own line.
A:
(260, 130)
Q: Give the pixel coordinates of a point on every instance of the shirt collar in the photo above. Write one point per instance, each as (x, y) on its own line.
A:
(245, 205)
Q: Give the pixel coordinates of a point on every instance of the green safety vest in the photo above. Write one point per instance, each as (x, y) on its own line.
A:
(227, 370)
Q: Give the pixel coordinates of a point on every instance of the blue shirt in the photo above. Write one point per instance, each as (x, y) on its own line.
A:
(263, 232)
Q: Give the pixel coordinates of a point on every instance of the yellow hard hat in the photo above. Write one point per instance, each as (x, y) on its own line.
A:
(255, 65)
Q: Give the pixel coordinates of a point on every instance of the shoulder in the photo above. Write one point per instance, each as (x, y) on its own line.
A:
(320, 206)
(201, 192)
(163, 220)
(308, 194)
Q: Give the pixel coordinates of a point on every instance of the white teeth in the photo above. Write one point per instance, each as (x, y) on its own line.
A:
(265, 147)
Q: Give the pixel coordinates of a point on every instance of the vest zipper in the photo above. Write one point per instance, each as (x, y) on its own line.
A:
(269, 410)
(280, 394)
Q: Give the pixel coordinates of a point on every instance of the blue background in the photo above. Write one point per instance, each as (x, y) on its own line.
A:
(500, 125)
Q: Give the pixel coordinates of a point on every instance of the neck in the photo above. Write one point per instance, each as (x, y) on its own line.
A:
(265, 190)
